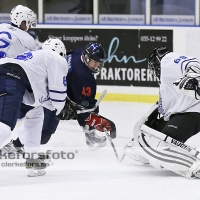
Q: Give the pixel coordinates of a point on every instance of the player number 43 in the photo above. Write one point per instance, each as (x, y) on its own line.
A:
(86, 91)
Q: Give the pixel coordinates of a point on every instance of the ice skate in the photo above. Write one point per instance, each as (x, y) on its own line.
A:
(94, 141)
(36, 167)
(10, 151)
(46, 158)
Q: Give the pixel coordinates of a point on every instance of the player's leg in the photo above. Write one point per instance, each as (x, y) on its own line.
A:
(15, 147)
(161, 154)
(182, 126)
(11, 91)
(33, 123)
(49, 126)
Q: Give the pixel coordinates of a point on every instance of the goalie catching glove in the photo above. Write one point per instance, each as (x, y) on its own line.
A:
(189, 83)
(100, 123)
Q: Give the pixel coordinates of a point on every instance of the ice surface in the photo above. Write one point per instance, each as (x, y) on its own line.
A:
(97, 175)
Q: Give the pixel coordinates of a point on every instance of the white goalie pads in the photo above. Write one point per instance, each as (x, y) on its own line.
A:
(149, 146)
(161, 154)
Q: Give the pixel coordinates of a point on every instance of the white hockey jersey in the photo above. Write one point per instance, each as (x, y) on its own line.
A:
(14, 41)
(171, 102)
(46, 71)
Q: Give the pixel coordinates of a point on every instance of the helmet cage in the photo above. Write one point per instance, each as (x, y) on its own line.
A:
(94, 51)
(154, 60)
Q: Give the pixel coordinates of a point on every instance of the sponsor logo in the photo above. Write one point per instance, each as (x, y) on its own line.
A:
(180, 144)
(121, 19)
(173, 19)
(13, 75)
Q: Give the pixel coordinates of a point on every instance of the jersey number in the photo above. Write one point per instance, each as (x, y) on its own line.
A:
(25, 56)
(86, 91)
(4, 43)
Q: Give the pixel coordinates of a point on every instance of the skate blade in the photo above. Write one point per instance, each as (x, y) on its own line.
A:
(96, 146)
(36, 172)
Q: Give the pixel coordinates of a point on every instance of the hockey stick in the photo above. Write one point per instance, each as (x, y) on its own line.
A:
(112, 144)
(84, 110)
(145, 129)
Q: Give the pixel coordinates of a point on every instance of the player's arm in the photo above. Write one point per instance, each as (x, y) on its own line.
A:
(57, 83)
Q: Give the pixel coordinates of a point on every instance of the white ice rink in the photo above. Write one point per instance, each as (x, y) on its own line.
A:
(96, 175)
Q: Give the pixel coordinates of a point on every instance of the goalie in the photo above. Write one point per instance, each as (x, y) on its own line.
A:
(159, 137)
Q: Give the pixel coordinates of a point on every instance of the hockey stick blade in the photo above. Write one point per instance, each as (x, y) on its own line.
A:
(112, 144)
(83, 110)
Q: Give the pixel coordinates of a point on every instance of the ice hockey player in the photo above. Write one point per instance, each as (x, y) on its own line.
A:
(16, 40)
(84, 91)
(81, 89)
(14, 36)
(24, 78)
(175, 116)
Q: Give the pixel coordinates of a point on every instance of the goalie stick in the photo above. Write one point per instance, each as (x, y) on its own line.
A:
(84, 110)
(147, 130)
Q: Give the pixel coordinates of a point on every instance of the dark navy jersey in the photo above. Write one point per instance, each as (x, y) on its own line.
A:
(81, 84)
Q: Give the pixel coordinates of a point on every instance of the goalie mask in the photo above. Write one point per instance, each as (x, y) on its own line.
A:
(55, 45)
(155, 59)
(94, 56)
(22, 13)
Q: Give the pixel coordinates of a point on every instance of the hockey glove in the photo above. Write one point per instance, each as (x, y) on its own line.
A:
(189, 83)
(68, 112)
(100, 123)
(188, 86)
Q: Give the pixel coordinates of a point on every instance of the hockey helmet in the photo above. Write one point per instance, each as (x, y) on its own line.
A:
(55, 45)
(94, 51)
(22, 13)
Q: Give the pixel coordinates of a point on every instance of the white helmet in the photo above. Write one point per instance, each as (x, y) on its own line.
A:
(22, 13)
(55, 45)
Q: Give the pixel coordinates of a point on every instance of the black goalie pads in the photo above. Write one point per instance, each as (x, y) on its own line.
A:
(68, 112)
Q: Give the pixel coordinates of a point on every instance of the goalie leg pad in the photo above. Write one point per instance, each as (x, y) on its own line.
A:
(130, 151)
(163, 155)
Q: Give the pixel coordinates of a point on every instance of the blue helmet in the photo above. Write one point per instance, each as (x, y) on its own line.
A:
(154, 60)
(94, 51)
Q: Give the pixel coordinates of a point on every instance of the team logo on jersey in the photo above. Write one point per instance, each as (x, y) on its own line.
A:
(69, 60)
(43, 99)
(64, 80)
